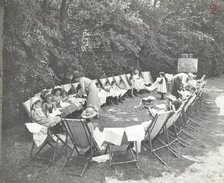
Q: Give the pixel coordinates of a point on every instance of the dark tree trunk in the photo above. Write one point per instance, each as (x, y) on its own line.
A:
(63, 13)
(44, 9)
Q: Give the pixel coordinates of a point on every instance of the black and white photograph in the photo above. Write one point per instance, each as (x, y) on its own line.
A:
(112, 91)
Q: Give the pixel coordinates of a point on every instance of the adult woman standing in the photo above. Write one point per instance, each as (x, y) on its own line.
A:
(179, 80)
(88, 87)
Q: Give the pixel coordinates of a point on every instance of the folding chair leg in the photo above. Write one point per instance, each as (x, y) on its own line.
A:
(188, 135)
(43, 145)
(134, 157)
(84, 169)
(136, 154)
(55, 151)
(190, 127)
(193, 121)
(31, 151)
(173, 151)
(160, 159)
(68, 158)
(184, 141)
(180, 143)
(177, 139)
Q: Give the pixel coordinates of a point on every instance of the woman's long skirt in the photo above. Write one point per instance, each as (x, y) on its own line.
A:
(93, 97)
(176, 85)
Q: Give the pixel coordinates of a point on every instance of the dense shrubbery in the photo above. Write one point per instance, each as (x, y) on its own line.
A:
(45, 40)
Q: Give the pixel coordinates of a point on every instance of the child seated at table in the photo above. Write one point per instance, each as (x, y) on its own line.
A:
(39, 116)
(57, 96)
(138, 82)
(113, 94)
(104, 96)
(122, 86)
(70, 100)
(134, 91)
(118, 91)
(49, 106)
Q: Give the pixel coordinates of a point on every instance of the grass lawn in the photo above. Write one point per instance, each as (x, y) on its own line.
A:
(202, 161)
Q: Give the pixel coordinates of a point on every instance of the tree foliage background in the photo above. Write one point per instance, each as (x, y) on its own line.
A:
(46, 40)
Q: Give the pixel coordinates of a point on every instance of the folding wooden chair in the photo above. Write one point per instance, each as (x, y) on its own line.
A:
(103, 81)
(172, 122)
(188, 111)
(156, 127)
(81, 138)
(110, 79)
(48, 141)
(75, 85)
(95, 81)
(117, 79)
(184, 118)
(147, 77)
(128, 76)
(66, 87)
(124, 78)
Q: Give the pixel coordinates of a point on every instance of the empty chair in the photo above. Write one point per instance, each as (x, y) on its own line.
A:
(155, 128)
(81, 138)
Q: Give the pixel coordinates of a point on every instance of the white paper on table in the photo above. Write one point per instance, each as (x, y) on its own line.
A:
(149, 98)
(71, 96)
(161, 106)
(135, 133)
(102, 158)
(64, 104)
(81, 100)
(99, 137)
(114, 135)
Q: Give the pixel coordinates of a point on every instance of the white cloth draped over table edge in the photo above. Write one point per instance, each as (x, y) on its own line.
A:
(39, 132)
(135, 133)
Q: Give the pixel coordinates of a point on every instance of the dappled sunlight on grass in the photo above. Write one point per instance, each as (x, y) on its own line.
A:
(202, 161)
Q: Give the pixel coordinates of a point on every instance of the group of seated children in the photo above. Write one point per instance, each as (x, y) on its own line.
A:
(111, 93)
(116, 91)
(137, 83)
(45, 110)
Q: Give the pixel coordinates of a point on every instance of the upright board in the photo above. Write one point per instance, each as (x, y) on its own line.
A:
(187, 65)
